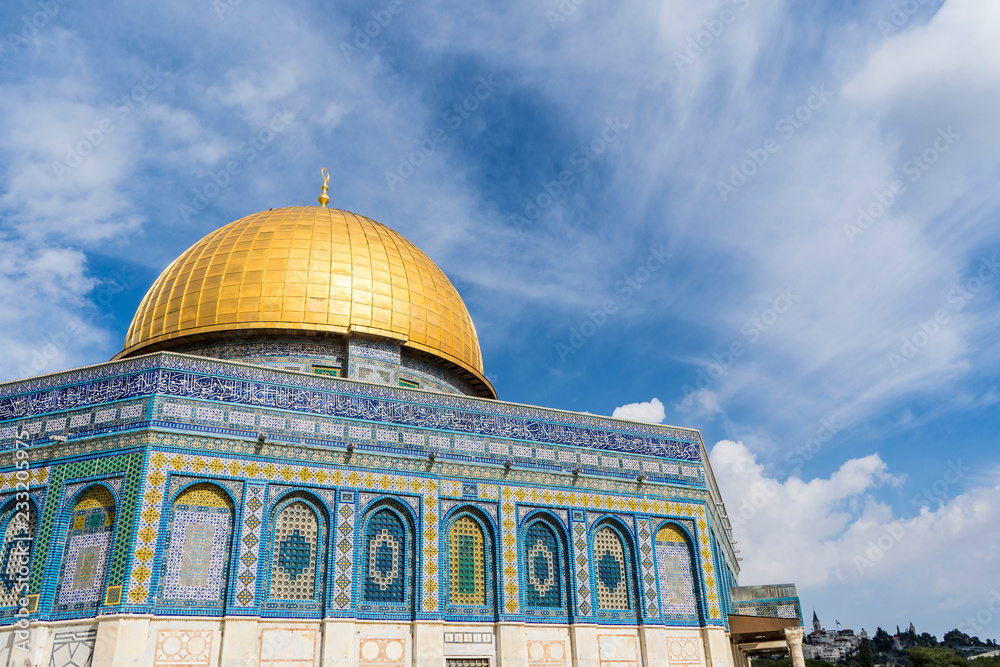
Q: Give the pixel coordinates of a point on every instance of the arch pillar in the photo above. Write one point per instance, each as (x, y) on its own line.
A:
(793, 637)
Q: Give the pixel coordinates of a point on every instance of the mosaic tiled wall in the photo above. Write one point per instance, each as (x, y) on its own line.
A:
(343, 577)
(192, 377)
(85, 562)
(543, 563)
(165, 464)
(197, 549)
(676, 577)
(53, 486)
(392, 432)
(773, 608)
(386, 562)
(249, 555)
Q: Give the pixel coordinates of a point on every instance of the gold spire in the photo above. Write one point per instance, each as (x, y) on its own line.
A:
(324, 199)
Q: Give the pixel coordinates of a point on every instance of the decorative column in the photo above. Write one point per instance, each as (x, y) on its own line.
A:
(793, 637)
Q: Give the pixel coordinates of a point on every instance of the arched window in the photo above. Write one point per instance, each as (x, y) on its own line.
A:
(542, 566)
(88, 544)
(611, 570)
(466, 563)
(673, 564)
(385, 560)
(197, 547)
(15, 553)
(296, 564)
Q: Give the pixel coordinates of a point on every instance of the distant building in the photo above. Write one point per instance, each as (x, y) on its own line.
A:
(831, 645)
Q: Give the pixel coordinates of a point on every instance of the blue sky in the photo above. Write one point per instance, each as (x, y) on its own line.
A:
(774, 222)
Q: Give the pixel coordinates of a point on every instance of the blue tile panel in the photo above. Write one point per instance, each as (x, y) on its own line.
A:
(241, 420)
(604, 565)
(191, 377)
(468, 562)
(88, 547)
(197, 549)
(385, 559)
(611, 570)
(248, 565)
(675, 574)
(772, 608)
(294, 564)
(543, 566)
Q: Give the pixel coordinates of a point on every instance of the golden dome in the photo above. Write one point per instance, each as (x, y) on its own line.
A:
(309, 269)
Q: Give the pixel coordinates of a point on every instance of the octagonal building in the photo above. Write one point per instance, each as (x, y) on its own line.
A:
(297, 460)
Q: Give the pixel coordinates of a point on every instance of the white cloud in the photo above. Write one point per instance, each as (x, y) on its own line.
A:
(701, 403)
(831, 535)
(651, 411)
(43, 296)
(944, 71)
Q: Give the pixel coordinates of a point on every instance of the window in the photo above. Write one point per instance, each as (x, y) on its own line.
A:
(466, 560)
(88, 544)
(673, 565)
(542, 566)
(385, 559)
(611, 570)
(332, 371)
(197, 561)
(409, 384)
(295, 558)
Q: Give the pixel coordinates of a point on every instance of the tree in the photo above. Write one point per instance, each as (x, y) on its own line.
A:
(882, 642)
(955, 638)
(865, 654)
(922, 656)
